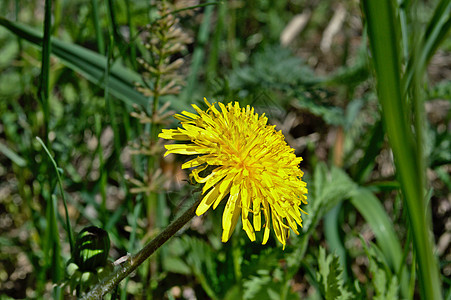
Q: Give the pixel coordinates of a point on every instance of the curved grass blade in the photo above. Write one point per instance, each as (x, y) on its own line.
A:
(60, 185)
(332, 234)
(373, 212)
(88, 63)
(436, 31)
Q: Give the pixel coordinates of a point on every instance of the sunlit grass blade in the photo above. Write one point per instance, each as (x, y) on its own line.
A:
(383, 34)
(89, 64)
(12, 155)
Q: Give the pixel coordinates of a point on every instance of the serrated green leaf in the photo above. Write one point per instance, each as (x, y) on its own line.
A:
(330, 277)
(254, 285)
(274, 67)
(379, 281)
(332, 281)
(175, 265)
(392, 292)
(381, 274)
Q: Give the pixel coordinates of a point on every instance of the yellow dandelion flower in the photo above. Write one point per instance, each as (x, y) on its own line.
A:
(250, 162)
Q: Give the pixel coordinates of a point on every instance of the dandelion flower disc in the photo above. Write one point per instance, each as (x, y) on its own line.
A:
(251, 164)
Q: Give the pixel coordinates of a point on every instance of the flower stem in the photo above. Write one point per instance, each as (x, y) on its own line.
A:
(135, 261)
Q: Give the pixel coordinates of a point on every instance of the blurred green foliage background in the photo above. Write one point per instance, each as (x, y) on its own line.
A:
(361, 90)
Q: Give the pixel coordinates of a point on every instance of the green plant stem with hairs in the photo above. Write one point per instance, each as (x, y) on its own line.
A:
(136, 260)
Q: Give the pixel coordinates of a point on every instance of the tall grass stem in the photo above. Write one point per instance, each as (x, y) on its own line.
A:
(383, 33)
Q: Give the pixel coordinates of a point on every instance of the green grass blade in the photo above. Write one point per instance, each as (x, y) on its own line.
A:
(436, 31)
(132, 45)
(114, 26)
(60, 184)
(52, 247)
(13, 156)
(97, 28)
(332, 235)
(384, 38)
(89, 64)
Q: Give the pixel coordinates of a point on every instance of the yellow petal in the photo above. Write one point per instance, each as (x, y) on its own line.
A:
(256, 207)
(187, 114)
(200, 160)
(277, 229)
(172, 134)
(185, 149)
(195, 174)
(224, 187)
(231, 213)
(217, 175)
(267, 220)
(266, 235)
(248, 228)
(208, 200)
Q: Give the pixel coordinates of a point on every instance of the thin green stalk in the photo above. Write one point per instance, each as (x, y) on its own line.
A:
(135, 261)
(53, 247)
(103, 176)
(19, 44)
(98, 30)
(131, 44)
(113, 22)
(56, 15)
(403, 26)
(60, 185)
(43, 92)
